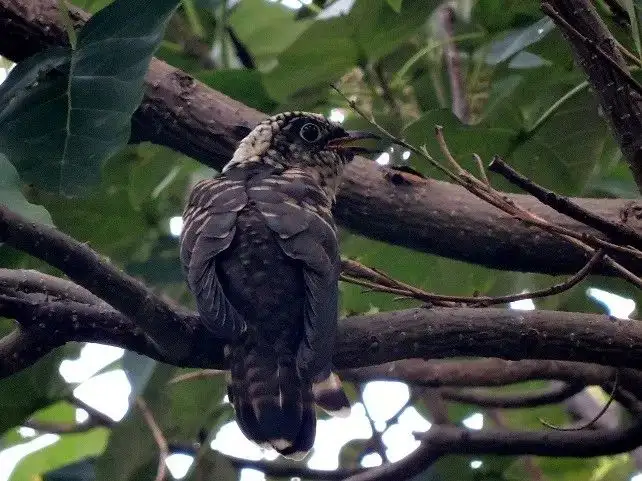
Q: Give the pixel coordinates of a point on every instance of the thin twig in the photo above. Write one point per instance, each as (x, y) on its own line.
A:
(355, 273)
(482, 170)
(589, 243)
(161, 442)
(192, 376)
(616, 231)
(597, 416)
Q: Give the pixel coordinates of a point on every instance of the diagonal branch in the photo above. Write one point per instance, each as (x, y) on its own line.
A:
(617, 231)
(596, 51)
(85, 267)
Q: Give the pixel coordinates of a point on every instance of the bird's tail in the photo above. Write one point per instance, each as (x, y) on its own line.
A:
(273, 405)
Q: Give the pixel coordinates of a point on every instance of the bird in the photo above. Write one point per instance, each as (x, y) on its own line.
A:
(260, 253)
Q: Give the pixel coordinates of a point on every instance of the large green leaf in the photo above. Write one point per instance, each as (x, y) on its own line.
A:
(68, 449)
(266, 29)
(63, 112)
(330, 48)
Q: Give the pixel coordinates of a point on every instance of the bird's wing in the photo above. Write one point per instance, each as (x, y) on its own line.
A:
(297, 211)
(208, 229)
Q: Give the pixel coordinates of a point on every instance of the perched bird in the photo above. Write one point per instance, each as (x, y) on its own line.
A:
(260, 253)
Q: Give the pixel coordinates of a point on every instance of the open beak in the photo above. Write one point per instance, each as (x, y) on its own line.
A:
(353, 142)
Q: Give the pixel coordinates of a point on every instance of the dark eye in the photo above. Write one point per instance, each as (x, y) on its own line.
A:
(310, 132)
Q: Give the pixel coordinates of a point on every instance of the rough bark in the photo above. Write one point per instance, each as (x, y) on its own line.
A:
(399, 208)
(621, 104)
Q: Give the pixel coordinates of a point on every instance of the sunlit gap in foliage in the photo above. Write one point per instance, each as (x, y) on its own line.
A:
(9, 458)
(293, 4)
(474, 421)
(176, 226)
(636, 477)
(618, 306)
(179, 464)
(337, 115)
(383, 159)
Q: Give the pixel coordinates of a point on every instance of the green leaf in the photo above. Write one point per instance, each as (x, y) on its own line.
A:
(518, 40)
(243, 85)
(32, 389)
(11, 195)
(395, 5)
(501, 15)
(181, 410)
(64, 112)
(68, 449)
(331, 47)
(463, 140)
(266, 29)
(635, 27)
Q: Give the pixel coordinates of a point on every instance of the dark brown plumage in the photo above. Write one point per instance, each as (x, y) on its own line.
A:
(260, 253)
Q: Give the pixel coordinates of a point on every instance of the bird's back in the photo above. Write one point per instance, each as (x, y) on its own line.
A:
(273, 404)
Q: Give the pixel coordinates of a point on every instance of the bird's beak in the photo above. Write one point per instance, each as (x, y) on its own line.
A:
(352, 142)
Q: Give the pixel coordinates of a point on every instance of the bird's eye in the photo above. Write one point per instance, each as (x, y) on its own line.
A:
(310, 132)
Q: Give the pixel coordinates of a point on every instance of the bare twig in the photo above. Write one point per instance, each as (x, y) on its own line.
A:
(618, 232)
(159, 438)
(194, 375)
(355, 273)
(591, 422)
(588, 242)
(555, 393)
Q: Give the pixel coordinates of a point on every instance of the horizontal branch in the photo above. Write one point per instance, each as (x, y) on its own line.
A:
(374, 339)
(381, 203)
(442, 440)
(555, 393)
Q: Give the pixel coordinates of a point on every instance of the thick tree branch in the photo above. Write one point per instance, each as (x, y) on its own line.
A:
(395, 207)
(84, 266)
(591, 42)
(374, 339)
(30, 281)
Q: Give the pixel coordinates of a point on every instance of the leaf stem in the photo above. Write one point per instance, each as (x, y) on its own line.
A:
(556, 105)
(66, 20)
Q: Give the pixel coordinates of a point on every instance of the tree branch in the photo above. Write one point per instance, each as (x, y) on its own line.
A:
(556, 392)
(84, 266)
(596, 51)
(364, 340)
(31, 281)
(617, 231)
(391, 206)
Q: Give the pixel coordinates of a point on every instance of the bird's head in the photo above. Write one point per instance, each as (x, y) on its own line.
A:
(303, 140)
